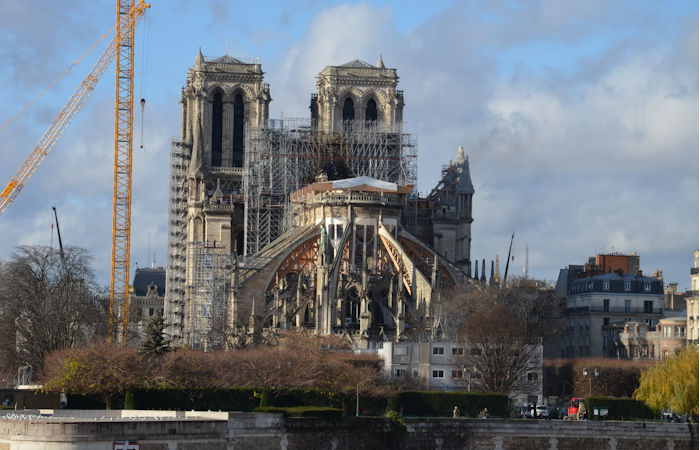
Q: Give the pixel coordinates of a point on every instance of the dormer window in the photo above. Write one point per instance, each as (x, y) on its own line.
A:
(628, 285)
(647, 287)
(606, 285)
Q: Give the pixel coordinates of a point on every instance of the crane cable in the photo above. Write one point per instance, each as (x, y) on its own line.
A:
(75, 63)
(144, 73)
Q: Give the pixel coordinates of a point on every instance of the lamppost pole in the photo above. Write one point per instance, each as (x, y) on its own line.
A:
(590, 379)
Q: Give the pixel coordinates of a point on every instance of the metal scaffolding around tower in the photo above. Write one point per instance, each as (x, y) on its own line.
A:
(288, 154)
(209, 292)
(177, 238)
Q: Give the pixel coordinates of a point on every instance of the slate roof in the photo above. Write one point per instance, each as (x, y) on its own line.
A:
(226, 59)
(357, 64)
(144, 277)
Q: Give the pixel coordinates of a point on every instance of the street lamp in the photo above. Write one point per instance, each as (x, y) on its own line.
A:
(467, 374)
(590, 379)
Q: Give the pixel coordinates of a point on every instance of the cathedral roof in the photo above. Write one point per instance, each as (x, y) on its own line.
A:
(364, 184)
(358, 183)
(357, 64)
(226, 59)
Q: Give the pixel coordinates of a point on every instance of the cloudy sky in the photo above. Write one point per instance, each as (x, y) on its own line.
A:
(580, 118)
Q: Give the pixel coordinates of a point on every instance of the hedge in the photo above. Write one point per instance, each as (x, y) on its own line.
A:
(232, 399)
(409, 403)
(618, 408)
(441, 404)
(302, 411)
(306, 397)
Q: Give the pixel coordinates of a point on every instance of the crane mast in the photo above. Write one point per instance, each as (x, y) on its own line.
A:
(123, 145)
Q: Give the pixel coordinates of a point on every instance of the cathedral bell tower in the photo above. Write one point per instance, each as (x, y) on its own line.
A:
(357, 91)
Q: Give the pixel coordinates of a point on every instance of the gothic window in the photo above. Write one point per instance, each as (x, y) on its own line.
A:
(371, 111)
(217, 121)
(239, 243)
(238, 131)
(348, 110)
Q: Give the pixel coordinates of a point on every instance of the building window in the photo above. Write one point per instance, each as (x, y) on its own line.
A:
(371, 111)
(532, 376)
(628, 306)
(456, 374)
(628, 285)
(647, 287)
(438, 374)
(438, 350)
(457, 351)
(606, 285)
(648, 306)
(606, 304)
(476, 352)
(606, 321)
(238, 130)
(415, 374)
(399, 373)
(217, 121)
(150, 311)
(348, 110)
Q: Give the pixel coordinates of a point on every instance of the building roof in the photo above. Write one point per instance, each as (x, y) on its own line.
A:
(226, 59)
(145, 277)
(357, 64)
(358, 183)
(616, 283)
(363, 184)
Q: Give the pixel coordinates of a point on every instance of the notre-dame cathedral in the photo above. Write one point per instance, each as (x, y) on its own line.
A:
(306, 223)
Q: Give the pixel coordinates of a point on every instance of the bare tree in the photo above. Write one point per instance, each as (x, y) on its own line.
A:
(499, 350)
(47, 303)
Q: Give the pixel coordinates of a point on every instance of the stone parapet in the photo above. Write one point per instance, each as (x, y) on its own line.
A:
(71, 429)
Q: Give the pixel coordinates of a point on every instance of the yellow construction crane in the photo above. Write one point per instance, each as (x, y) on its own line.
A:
(121, 47)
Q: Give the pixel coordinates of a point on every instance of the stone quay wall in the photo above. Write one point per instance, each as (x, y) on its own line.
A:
(193, 430)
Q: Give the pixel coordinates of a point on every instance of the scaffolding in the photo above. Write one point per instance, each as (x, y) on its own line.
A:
(210, 288)
(288, 154)
(177, 239)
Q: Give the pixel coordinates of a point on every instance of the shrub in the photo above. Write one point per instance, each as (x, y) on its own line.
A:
(618, 408)
(441, 404)
(129, 400)
(393, 404)
(302, 411)
(306, 397)
(232, 399)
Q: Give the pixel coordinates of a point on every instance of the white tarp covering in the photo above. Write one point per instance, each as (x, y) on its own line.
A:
(350, 183)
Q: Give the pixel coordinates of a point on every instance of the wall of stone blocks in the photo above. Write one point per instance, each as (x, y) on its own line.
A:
(242, 431)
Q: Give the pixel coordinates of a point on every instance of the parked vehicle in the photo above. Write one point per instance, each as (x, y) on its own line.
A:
(542, 412)
(576, 402)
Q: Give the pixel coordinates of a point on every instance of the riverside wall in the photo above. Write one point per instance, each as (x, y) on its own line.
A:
(155, 430)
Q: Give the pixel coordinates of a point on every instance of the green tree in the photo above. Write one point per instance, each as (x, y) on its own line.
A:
(672, 384)
(155, 342)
